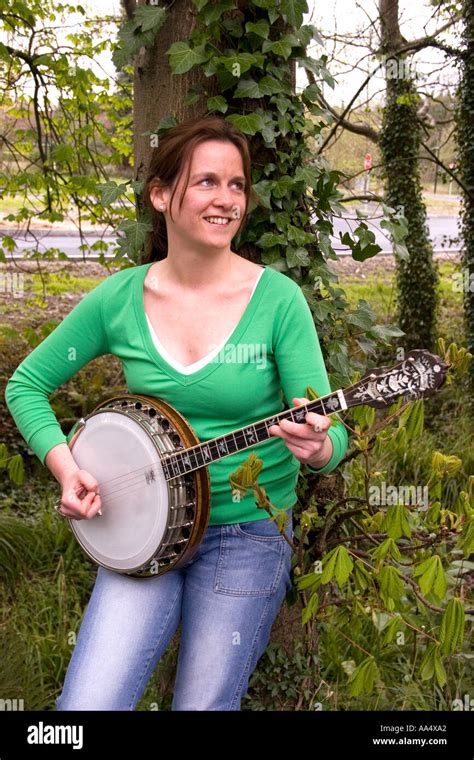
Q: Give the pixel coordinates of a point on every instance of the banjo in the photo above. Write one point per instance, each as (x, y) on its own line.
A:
(152, 468)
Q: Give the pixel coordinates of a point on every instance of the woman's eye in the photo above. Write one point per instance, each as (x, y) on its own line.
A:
(209, 179)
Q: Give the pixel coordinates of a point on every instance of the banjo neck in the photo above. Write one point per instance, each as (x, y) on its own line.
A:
(210, 451)
(417, 376)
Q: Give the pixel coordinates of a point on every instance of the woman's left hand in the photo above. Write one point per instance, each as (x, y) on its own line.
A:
(307, 445)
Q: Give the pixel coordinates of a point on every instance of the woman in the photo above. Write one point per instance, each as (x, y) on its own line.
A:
(179, 324)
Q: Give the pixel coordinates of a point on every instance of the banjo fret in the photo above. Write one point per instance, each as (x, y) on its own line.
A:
(244, 438)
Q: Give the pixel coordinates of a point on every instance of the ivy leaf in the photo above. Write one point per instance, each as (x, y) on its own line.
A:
(150, 17)
(362, 317)
(247, 88)
(282, 186)
(217, 103)
(385, 332)
(263, 191)
(182, 58)
(213, 12)
(110, 191)
(297, 257)
(269, 238)
(243, 60)
(281, 47)
(260, 28)
(135, 233)
(293, 10)
(270, 85)
(249, 123)
(365, 247)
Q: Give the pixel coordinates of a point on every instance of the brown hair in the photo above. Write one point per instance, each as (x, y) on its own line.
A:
(175, 148)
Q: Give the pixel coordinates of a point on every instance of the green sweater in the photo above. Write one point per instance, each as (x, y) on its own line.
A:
(272, 353)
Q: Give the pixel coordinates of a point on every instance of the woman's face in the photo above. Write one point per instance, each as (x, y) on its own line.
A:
(216, 189)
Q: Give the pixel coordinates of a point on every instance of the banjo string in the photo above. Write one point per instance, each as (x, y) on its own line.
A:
(127, 480)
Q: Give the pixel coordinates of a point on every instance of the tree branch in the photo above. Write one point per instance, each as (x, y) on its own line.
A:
(129, 7)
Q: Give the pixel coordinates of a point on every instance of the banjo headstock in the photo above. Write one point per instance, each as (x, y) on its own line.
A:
(419, 375)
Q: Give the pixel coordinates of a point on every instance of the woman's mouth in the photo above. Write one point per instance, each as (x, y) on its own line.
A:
(218, 221)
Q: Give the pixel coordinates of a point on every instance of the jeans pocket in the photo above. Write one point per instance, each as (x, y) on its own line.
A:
(253, 558)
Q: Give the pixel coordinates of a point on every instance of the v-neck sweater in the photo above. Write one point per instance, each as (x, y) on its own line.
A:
(270, 357)
(187, 369)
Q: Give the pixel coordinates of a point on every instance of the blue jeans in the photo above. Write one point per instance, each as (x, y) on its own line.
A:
(226, 599)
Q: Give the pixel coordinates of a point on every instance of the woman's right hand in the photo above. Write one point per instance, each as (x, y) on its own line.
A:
(80, 498)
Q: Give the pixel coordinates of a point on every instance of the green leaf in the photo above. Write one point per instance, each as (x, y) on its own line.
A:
(391, 584)
(427, 667)
(249, 123)
(337, 562)
(135, 232)
(269, 238)
(363, 677)
(281, 47)
(310, 610)
(261, 28)
(297, 257)
(16, 470)
(466, 539)
(432, 577)
(244, 61)
(150, 17)
(293, 10)
(451, 631)
(439, 669)
(344, 565)
(62, 153)
(247, 88)
(213, 13)
(396, 521)
(217, 103)
(110, 191)
(182, 58)
(329, 564)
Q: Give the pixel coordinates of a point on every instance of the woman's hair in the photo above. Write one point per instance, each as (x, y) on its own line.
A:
(174, 151)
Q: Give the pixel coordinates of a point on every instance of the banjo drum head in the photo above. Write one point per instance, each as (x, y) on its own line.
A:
(122, 457)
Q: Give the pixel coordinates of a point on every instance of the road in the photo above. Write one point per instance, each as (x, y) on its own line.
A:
(442, 229)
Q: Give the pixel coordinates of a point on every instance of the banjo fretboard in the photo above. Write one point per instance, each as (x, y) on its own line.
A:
(210, 451)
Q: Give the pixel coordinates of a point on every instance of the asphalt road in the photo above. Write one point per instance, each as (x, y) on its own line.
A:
(442, 229)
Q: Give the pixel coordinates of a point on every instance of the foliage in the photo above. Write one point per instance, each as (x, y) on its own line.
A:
(416, 275)
(384, 568)
(64, 127)
(465, 141)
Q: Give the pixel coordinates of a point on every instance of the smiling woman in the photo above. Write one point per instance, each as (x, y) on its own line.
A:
(170, 321)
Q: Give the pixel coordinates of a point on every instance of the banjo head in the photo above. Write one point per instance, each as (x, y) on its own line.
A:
(148, 524)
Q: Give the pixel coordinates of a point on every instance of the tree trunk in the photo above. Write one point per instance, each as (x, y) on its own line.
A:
(400, 146)
(157, 92)
(465, 140)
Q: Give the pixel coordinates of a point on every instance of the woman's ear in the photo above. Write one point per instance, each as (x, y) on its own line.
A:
(158, 197)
